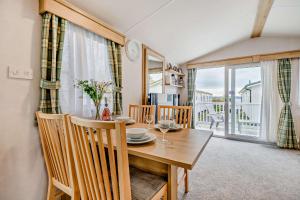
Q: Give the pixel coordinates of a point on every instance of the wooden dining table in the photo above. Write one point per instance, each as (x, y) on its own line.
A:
(182, 150)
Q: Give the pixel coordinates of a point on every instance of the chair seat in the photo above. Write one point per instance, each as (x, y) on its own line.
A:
(144, 185)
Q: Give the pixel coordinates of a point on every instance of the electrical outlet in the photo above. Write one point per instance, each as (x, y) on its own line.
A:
(20, 73)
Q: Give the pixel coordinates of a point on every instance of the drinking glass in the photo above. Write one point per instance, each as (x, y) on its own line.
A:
(164, 127)
(149, 120)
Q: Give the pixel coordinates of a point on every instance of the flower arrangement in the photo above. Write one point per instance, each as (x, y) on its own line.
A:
(95, 90)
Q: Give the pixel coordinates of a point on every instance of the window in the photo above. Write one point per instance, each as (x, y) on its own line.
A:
(84, 57)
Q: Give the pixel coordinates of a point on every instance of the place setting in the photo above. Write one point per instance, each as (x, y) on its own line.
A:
(139, 136)
(170, 123)
(165, 126)
(126, 119)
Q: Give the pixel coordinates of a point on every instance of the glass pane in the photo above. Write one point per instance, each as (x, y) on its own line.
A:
(155, 74)
(245, 95)
(209, 100)
(155, 82)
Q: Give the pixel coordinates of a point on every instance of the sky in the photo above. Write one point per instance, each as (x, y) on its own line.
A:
(213, 79)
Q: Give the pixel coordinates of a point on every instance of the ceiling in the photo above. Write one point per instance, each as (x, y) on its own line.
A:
(184, 29)
(283, 19)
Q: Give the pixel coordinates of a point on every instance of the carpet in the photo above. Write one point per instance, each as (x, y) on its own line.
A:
(234, 170)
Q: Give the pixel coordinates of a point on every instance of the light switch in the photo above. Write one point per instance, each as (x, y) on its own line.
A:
(21, 73)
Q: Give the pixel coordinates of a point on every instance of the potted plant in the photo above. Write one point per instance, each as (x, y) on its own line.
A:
(95, 90)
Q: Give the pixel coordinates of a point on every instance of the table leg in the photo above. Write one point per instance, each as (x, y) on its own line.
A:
(186, 180)
(172, 182)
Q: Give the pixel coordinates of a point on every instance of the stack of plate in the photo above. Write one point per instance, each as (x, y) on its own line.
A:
(139, 136)
(127, 120)
(172, 125)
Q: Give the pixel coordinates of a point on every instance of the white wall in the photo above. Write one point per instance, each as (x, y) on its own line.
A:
(22, 172)
(132, 81)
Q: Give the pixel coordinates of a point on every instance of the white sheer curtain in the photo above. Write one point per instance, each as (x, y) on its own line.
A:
(295, 94)
(85, 57)
(270, 101)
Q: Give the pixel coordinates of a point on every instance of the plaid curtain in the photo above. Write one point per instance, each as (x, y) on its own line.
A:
(286, 137)
(53, 31)
(191, 90)
(115, 63)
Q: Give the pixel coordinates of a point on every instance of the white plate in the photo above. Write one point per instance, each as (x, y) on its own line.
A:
(145, 137)
(131, 121)
(151, 138)
(136, 133)
(178, 127)
(123, 118)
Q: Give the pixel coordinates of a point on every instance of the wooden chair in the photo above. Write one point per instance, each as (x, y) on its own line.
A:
(139, 112)
(182, 115)
(54, 135)
(102, 166)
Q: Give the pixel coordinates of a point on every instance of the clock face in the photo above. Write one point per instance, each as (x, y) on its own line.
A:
(132, 50)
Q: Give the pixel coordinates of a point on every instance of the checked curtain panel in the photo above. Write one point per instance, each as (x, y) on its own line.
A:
(286, 136)
(53, 30)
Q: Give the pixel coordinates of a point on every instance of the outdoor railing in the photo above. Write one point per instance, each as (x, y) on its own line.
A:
(244, 112)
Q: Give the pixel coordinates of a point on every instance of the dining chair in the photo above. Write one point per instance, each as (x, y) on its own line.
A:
(139, 112)
(55, 140)
(102, 166)
(182, 116)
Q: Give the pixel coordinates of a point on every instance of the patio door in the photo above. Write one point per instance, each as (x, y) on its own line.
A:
(243, 95)
(209, 100)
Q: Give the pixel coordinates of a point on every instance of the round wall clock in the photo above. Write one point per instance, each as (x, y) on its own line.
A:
(132, 49)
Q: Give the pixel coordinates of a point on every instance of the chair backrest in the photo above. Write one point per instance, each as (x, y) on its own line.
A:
(210, 109)
(54, 135)
(93, 144)
(181, 114)
(139, 112)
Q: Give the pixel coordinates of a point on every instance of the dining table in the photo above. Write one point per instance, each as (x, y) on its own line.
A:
(182, 151)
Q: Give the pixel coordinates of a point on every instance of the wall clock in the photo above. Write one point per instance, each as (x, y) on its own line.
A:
(132, 49)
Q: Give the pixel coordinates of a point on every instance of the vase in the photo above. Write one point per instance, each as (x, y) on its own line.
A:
(97, 116)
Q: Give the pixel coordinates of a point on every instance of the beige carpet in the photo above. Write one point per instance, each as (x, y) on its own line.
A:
(233, 170)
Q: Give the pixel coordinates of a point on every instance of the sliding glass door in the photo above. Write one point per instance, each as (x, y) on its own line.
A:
(243, 95)
(228, 101)
(210, 100)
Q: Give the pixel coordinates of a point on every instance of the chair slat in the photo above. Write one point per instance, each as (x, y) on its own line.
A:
(49, 150)
(64, 151)
(112, 164)
(97, 165)
(84, 163)
(104, 164)
(91, 162)
(184, 118)
(53, 150)
(78, 156)
(180, 116)
(58, 148)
